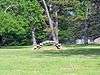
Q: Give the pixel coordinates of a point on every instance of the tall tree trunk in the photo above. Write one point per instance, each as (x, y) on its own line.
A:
(86, 25)
(50, 21)
(86, 34)
(33, 37)
(56, 26)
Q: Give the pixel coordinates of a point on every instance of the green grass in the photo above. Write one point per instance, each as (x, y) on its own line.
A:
(71, 60)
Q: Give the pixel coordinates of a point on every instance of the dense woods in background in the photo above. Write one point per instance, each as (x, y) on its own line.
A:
(24, 21)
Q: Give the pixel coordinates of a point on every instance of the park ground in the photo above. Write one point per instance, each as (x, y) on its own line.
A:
(70, 60)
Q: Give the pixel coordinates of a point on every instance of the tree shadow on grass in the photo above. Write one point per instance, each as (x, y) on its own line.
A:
(14, 47)
(69, 52)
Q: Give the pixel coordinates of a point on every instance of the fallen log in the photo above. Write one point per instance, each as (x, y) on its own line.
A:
(58, 46)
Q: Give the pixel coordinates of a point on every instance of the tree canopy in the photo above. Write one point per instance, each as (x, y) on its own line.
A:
(75, 18)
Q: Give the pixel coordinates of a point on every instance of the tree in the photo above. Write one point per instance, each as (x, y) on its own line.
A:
(55, 37)
(70, 17)
(29, 11)
(11, 27)
(93, 19)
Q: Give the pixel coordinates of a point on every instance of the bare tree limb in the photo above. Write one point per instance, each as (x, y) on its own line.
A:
(50, 21)
(9, 7)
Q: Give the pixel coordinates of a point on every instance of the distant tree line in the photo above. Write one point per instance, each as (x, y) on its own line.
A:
(26, 22)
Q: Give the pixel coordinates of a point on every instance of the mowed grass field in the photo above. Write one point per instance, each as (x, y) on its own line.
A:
(71, 60)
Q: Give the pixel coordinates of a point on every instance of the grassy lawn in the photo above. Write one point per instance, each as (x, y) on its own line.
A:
(71, 60)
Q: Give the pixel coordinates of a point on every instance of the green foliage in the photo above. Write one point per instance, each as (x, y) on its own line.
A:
(71, 14)
(17, 18)
(12, 28)
(11, 25)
